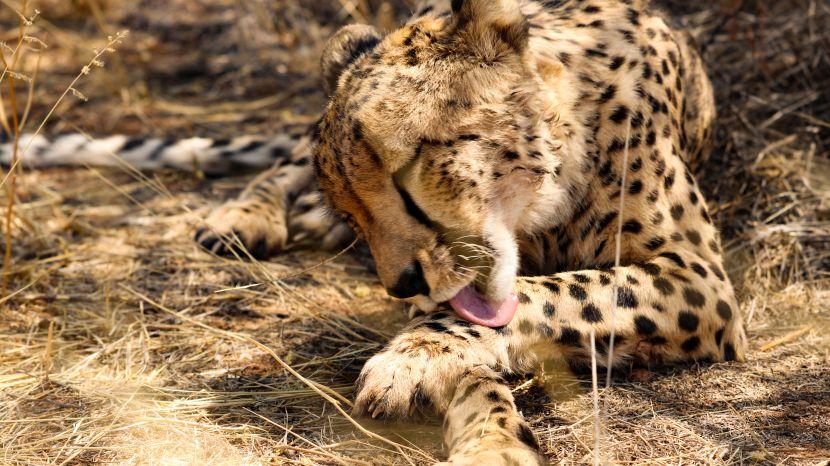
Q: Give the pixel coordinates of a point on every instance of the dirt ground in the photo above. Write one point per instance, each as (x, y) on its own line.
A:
(121, 342)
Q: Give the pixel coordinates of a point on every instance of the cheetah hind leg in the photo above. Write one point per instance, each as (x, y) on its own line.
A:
(259, 218)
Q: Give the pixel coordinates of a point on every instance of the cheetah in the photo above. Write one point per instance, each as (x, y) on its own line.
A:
(523, 174)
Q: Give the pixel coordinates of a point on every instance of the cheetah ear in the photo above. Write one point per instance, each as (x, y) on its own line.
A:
(490, 22)
(342, 49)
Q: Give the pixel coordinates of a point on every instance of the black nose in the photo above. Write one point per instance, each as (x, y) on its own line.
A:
(410, 283)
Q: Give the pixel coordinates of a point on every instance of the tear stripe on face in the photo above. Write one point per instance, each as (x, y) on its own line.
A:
(505, 259)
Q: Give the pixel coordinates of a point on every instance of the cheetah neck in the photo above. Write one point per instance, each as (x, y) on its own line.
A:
(561, 193)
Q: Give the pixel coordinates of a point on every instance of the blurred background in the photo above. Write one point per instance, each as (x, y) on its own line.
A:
(121, 342)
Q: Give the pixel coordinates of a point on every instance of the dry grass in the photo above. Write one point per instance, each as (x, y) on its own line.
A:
(121, 342)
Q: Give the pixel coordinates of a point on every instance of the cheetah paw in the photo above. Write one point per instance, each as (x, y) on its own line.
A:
(390, 386)
(259, 230)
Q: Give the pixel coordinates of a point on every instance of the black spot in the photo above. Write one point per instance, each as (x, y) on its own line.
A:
(577, 292)
(511, 155)
(620, 114)
(719, 336)
(636, 187)
(494, 396)
(717, 271)
(632, 280)
(251, 146)
(616, 62)
(677, 211)
(698, 269)
(729, 353)
(591, 313)
(581, 278)
(626, 298)
(674, 258)
(649, 268)
(693, 297)
(551, 286)
(548, 309)
(524, 434)
(690, 344)
(473, 333)
(523, 298)
(669, 181)
(664, 286)
(724, 310)
(499, 409)
(657, 341)
(693, 236)
(134, 143)
(655, 243)
(647, 73)
(633, 16)
(525, 327)
(688, 321)
(604, 280)
(570, 337)
(657, 218)
(632, 226)
(617, 145)
(693, 198)
(595, 53)
(216, 143)
(438, 327)
(605, 221)
(644, 325)
(467, 392)
(608, 93)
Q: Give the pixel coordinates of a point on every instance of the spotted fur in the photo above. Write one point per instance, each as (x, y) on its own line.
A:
(487, 142)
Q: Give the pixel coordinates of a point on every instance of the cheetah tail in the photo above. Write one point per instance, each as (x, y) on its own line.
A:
(213, 157)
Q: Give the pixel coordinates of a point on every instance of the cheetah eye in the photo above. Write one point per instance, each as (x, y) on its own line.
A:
(412, 208)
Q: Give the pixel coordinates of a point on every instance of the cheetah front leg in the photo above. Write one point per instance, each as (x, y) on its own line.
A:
(281, 205)
(676, 307)
(483, 426)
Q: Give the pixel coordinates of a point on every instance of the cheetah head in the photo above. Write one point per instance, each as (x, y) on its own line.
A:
(438, 145)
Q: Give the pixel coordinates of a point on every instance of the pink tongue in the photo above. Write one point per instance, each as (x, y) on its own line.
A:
(471, 306)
